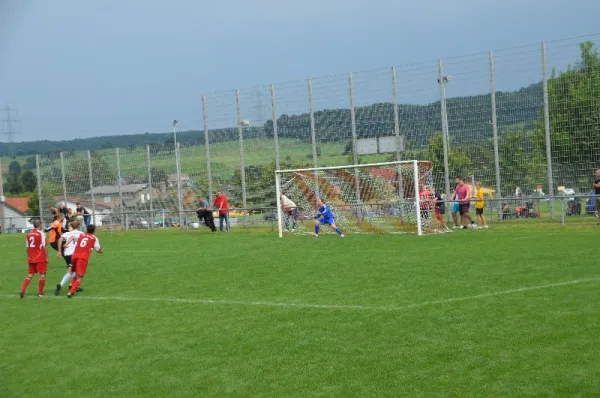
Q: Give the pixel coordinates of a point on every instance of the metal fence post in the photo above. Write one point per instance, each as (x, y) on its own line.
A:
(93, 196)
(445, 134)
(64, 180)
(2, 219)
(398, 143)
(39, 187)
(182, 222)
(354, 137)
(123, 215)
(150, 195)
(207, 148)
(242, 162)
(274, 118)
(495, 126)
(313, 136)
(547, 131)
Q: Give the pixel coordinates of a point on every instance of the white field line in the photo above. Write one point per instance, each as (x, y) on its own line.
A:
(319, 306)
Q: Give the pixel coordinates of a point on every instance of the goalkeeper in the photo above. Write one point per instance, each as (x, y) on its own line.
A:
(326, 217)
(291, 210)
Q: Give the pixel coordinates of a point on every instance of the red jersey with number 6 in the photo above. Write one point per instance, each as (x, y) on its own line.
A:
(35, 242)
(85, 244)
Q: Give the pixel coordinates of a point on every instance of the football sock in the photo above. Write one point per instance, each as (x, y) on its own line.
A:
(41, 284)
(75, 286)
(316, 230)
(25, 284)
(66, 278)
(339, 231)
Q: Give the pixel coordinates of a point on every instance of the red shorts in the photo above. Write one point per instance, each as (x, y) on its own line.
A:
(38, 268)
(80, 266)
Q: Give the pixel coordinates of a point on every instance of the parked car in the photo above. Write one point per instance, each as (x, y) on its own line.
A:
(138, 223)
(270, 217)
(567, 193)
(539, 196)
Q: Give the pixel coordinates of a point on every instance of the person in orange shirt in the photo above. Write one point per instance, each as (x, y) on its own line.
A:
(56, 230)
(220, 203)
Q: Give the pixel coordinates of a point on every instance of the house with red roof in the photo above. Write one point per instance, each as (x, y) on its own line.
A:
(15, 214)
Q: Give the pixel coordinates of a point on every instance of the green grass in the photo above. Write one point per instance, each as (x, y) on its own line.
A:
(374, 316)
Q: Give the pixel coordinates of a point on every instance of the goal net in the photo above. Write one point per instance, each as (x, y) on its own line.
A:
(378, 198)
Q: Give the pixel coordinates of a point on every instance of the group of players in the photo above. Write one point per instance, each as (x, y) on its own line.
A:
(74, 246)
(461, 203)
(323, 216)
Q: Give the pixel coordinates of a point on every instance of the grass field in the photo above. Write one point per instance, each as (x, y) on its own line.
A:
(508, 312)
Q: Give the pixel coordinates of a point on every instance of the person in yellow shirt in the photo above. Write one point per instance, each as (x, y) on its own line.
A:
(479, 205)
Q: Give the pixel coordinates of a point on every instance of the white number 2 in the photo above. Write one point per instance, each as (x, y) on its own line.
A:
(83, 242)
(31, 241)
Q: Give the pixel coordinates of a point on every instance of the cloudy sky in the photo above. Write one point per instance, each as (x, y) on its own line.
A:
(77, 68)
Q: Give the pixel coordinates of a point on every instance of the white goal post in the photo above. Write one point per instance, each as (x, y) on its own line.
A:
(374, 198)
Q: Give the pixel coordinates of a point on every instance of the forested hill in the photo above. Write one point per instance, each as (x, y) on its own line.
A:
(468, 119)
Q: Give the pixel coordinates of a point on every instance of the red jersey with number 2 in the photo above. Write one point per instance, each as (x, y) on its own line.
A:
(36, 247)
(85, 244)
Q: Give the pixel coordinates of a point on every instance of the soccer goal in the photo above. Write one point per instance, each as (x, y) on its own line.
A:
(376, 198)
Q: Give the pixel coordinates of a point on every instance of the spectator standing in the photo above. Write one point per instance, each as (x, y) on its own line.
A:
(440, 208)
(596, 187)
(479, 205)
(65, 211)
(426, 203)
(81, 211)
(220, 203)
(463, 193)
(455, 204)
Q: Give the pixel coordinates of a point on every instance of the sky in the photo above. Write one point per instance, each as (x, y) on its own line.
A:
(76, 69)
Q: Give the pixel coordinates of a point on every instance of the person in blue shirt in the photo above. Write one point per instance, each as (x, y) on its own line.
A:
(325, 216)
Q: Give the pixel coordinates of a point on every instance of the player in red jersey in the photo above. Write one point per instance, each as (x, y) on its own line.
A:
(85, 244)
(37, 257)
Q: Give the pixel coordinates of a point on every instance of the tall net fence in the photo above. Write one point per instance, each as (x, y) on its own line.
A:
(293, 123)
(523, 121)
(574, 102)
(224, 140)
(419, 115)
(519, 109)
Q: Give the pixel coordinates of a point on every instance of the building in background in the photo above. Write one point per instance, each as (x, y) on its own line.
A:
(15, 214)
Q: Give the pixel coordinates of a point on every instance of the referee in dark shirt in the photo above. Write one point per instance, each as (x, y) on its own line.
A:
(206, 215)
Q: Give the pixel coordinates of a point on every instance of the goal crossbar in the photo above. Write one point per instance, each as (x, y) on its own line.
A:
(351, 166)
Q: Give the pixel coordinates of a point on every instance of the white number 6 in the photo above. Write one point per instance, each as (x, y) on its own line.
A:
(83, 242)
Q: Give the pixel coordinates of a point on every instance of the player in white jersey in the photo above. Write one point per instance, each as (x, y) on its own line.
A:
(291, 210)
(66, 248)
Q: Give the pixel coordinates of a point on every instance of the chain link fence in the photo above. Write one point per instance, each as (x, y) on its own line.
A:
(523, 121)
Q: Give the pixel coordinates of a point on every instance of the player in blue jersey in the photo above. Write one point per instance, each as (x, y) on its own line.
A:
(325, 216)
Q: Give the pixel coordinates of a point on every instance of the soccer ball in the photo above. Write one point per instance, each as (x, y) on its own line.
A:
(195, 225)
(245, 123)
